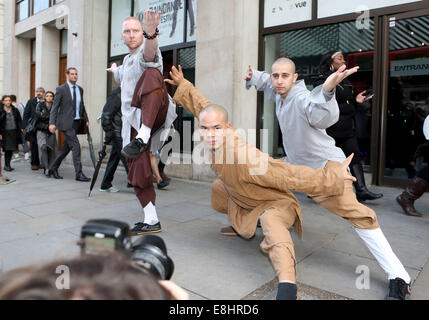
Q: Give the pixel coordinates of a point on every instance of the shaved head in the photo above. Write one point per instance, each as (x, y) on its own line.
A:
(283, 76)
(132, 19)
(213, 125)
(286, 61)
(132, 33)
(214, 108)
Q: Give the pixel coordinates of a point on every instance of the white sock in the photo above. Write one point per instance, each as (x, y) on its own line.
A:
(150, 216)
(144, 133)
(381, 250)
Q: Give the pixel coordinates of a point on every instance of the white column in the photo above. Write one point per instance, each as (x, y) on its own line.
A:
(47, 57)
(16, 58)
(21, 70)
(246, 31)
(227, 42)
(94, 61)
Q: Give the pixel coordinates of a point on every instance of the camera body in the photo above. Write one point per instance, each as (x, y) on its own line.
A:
(148, 252)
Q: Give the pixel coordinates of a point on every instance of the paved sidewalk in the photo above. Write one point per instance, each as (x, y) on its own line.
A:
(41, 218)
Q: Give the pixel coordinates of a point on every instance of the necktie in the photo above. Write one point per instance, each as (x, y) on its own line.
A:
(75, 102)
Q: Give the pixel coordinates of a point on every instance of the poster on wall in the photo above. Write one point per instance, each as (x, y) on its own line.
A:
(171, 27)
(330, 8)
(280, 12)
(120, 10)
(191, 32)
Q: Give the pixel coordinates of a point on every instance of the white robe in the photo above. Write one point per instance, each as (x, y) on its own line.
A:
(304, 117)
(128, 74)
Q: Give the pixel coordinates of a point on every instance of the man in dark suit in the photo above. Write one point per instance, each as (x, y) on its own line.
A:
(67, 113)
(29, 111)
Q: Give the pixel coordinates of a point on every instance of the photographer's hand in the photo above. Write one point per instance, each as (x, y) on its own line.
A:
(176, 292)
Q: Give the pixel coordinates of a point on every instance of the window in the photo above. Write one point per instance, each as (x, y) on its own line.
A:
(27, 8)
(40, 5)
(185, 120)
(64, 34)
(120, 10)
(33, 51)
(22, 9)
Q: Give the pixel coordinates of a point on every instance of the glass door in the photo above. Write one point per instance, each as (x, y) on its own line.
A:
(404, 150)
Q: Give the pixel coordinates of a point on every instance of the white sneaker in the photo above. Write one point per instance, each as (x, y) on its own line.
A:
(27, 156)
(111, 190)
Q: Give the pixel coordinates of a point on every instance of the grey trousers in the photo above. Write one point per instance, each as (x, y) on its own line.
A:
(47, 144)
(71, 143)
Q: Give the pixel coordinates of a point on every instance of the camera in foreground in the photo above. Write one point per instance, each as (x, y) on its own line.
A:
(148, 252)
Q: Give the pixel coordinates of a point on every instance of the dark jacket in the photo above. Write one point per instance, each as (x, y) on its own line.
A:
(345, 127)
(29, 110)
(17, 116)
(63, 112)
(11, 139)
(111, 118)
(42, 114)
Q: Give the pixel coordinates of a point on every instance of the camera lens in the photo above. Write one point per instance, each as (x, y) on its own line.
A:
(150, 253)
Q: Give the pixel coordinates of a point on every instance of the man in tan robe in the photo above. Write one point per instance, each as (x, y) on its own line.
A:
(251, 185)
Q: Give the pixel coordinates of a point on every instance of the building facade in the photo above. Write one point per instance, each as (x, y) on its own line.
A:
(389, 40)
(216, 41)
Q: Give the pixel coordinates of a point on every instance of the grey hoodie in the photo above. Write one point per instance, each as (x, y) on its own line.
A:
(303, 117)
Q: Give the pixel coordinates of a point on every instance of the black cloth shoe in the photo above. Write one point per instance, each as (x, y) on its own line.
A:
(8, 168)
(82, 178)
(134, 149)
(54, 173)
(398, 290)
(163, 184)
(141, 228)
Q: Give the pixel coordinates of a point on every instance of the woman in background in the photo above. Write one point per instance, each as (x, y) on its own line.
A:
(344, 131)
(46, 141)
(10, 130)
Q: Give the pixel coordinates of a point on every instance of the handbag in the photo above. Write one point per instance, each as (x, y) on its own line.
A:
(30, 128)
(83, 128)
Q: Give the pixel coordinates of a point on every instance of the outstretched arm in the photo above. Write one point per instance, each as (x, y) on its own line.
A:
(151, 23)
(337, 77)
(321, 107)
(117, 72)
(261, 81)
(186, 94)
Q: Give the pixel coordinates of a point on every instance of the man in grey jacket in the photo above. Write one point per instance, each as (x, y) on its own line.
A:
(67, 113)
(304, 117)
